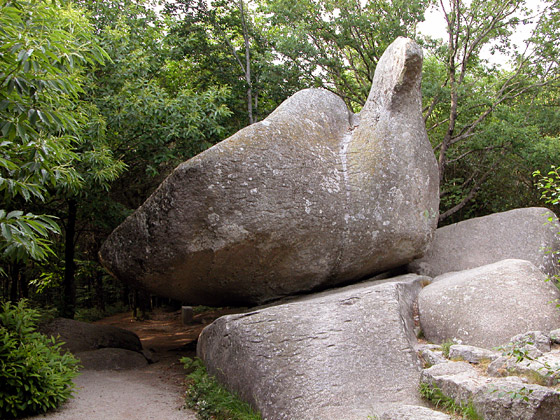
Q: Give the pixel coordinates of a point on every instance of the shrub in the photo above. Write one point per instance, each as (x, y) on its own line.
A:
(35, 374)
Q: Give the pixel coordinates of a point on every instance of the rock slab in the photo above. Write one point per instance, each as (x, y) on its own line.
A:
(486, 306)
(310, 197)
(82, 336)
(493, 398)
(527, 234)
(340, 354)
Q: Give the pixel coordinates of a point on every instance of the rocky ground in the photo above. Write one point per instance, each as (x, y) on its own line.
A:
(154, 392)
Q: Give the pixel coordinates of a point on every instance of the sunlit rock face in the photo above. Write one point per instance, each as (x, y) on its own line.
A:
(310, 197)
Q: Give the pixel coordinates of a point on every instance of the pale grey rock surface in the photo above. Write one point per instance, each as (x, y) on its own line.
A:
(494, 398)
(555, 336)
(544, 369)
(525, 234)
(339, 355)
(471, 354)
(485, 306)
(310, 197)
(413, 412)
(538, 339)
(82, 336)
(430, 354)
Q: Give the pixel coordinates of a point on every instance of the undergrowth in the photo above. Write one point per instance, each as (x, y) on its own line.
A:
(441, 401)
(445, 347)
(35, 373)
(209, 399)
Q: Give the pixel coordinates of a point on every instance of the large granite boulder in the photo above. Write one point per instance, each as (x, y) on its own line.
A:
(310, 197)
(345, 354)
(528, 234)
(485, 306)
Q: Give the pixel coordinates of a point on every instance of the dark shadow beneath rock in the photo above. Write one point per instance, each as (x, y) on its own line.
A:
(111, 359)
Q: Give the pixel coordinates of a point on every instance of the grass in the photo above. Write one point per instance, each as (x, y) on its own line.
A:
(445, 346)
(211, 400)
(441, 401)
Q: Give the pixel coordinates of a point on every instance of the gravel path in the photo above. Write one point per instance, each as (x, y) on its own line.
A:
(151, 393)
(123, 395)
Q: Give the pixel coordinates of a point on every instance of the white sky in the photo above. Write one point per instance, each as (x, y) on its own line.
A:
(434, 26)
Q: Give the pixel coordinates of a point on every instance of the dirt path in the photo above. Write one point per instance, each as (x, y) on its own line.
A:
(151, 393)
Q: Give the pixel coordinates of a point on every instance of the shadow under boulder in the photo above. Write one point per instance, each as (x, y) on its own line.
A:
(99, 347)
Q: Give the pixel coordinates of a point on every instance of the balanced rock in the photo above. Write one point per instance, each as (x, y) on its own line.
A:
(486, 306)
(528, 234)
(310, 197)
(344, 354)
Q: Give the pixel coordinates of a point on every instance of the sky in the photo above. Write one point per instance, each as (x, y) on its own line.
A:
(434, 26)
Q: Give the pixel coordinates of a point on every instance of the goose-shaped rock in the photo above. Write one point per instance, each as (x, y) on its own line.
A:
(310, 197)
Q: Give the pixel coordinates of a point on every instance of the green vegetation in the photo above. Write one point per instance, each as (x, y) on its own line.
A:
(546, 375)
(445, 347)
(35, 374)
(210, 400)
(441, 401)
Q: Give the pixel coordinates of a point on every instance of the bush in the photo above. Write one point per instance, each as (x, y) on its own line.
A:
(35, 374)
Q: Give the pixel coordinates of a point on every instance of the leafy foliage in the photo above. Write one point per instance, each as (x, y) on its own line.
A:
(35, 374)
(337, 44)
(43, 46)
(481, 116)
(549, 185)
(210, 400)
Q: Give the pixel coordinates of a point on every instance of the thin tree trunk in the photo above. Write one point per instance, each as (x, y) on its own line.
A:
(247, 63)
(99, 298)
(14, 277)
(23, 286)
(69, 286)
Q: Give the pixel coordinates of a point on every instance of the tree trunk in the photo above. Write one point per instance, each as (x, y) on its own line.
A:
(247, 63)
(23, 286)
(14, 277)
(69, 286)
(99, 295)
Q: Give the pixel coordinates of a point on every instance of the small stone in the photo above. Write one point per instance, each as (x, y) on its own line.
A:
(555, 336)
(187, 314)
(537, 339)
(430, 355)
(471, 354)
